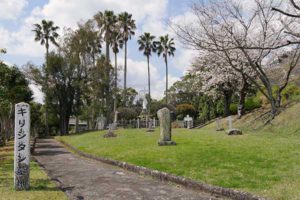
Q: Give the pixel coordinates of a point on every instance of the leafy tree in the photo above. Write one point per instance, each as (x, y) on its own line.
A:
(147, 45)
(13, 89)
(46, 33)
(165, 46)
(127, 28)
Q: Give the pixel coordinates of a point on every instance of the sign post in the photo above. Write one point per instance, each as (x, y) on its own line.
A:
(22, 146)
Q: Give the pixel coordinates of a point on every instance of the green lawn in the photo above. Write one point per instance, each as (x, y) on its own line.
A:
(264, 161)
(41, 186)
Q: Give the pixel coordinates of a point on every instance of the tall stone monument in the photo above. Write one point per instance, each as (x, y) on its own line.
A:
(22, 146)
(165, 127)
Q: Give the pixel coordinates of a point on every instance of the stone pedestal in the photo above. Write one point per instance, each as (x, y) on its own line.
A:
(165, 127)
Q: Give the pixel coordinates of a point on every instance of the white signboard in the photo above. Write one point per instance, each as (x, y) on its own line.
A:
(22, 146)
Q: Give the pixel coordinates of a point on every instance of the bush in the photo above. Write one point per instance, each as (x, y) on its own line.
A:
(185, 109)
(290, 91)
(251, 103)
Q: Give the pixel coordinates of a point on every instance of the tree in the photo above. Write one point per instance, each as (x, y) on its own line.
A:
(116, 43)
(165, 46)
(46, 33)
(217, 78)
(107, 24)
(127, 27)
(13, 89)
(147, 45)
(225, 27)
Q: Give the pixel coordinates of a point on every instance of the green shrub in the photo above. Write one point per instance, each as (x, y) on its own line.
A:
(233, 108)
(252, 103)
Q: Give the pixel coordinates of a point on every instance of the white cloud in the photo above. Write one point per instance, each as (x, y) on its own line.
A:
(11, 9)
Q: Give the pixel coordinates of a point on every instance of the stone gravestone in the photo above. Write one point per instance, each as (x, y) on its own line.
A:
(22, 146)
(115, 124)
(229, 122)
(154, 123)
(218, 121)
(232, 131)
(138, 123)
(189, 121)
(165, 127)
(110, 132)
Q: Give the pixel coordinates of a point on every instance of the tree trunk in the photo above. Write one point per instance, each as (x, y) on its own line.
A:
(116, 83)
(242, 98)
(107, 82)
(76, 124)
(46, 89)
(166, 61)
(149, 89)
(227, 102)
(125, 75)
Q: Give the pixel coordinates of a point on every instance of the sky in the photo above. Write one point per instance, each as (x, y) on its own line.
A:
(18, 16)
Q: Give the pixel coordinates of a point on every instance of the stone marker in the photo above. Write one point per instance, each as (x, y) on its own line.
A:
(110, 132)
(165, 127)
(218, 121)
(22, 146)
(229, 122)
(115, 124)
(189, 121)
(138, 123)
(154, 123)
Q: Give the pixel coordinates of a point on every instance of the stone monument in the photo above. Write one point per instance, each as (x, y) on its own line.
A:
(219, 127)
(22, 146)
(165, 127)
(189, 121)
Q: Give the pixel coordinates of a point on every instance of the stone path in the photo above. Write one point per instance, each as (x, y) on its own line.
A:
(84, 179)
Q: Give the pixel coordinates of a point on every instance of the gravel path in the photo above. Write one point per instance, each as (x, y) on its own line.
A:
(84, 179)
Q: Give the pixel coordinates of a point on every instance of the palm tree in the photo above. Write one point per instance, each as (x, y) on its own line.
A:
(165, 46)
(116, 43)
(106, 22)
(147, 45)
(46, 33)
(127, 27)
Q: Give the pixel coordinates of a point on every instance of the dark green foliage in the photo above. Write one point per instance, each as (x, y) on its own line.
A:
(185, 109)
(127, 113)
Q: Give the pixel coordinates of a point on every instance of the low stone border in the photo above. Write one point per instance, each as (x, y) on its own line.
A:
(163, 176)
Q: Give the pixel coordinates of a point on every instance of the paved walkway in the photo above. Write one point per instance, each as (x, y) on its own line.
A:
(84, 179)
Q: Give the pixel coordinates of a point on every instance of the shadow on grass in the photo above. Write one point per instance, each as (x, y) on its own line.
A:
(42, 185)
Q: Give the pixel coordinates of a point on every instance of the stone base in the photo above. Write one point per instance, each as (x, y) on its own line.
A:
(166, 143)
(220, 129)
(109, 135)
(234, 132)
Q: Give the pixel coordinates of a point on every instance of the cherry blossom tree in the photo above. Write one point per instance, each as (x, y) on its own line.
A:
(255, 33)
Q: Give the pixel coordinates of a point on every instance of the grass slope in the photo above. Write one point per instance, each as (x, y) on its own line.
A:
(41, 186)
(264, 161)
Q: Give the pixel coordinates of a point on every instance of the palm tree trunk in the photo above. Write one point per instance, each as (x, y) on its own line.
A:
(149, 90)
(46, 89)
(166, 61)
(125, 75)
(116, 77)
(107, 82)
